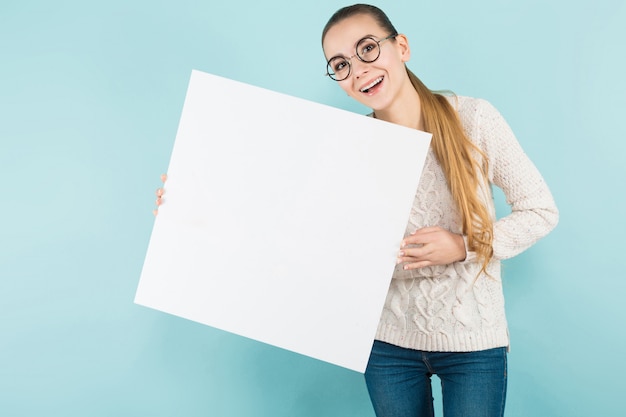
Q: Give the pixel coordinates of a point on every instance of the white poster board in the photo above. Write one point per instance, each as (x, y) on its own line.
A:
(281, 219)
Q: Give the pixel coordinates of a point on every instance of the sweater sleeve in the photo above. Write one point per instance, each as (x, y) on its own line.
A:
(533, 210)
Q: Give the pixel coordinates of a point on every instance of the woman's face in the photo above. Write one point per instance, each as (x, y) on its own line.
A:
(375, 84)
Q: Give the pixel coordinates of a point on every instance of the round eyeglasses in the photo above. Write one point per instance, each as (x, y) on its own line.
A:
(367, 50)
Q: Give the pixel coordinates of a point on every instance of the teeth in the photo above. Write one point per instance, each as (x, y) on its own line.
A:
(370, 85)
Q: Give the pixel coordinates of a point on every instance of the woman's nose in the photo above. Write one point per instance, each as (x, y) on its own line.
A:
(359, 67)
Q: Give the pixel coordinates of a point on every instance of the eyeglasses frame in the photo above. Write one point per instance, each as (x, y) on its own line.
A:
(349, 59)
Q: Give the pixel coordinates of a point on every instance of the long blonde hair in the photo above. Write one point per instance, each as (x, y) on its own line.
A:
(454, 151)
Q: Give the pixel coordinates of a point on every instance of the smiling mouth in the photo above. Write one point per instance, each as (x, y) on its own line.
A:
(371, 85)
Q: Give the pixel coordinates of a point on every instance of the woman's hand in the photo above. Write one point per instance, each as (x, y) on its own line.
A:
(159, 193)
(431, 246)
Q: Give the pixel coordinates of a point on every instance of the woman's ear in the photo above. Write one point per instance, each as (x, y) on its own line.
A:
(404, 49)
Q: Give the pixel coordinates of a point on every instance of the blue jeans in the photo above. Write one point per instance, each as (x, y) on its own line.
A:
(473, 384)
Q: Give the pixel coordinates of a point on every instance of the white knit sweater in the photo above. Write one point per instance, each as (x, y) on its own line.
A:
(445, 308)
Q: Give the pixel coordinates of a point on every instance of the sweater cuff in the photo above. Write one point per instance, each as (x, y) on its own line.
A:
(470, 256)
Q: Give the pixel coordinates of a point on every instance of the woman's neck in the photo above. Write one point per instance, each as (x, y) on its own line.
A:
(406, 110)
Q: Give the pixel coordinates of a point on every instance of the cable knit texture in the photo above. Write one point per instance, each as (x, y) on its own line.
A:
(447, 308)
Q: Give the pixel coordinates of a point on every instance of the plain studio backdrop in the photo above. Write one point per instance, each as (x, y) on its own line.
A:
(90, 98)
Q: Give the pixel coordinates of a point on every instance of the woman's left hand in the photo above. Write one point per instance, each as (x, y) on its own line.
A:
(431, 246)
(159, 195)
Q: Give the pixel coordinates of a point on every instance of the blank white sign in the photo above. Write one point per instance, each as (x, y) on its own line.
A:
(282, 219)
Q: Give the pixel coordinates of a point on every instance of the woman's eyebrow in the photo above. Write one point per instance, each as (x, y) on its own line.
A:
(363, 37)
(355, 44)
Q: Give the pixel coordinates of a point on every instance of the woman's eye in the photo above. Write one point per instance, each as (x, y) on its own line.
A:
(367, 48)
(340, 65)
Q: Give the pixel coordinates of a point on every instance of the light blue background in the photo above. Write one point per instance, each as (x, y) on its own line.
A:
(90, 97)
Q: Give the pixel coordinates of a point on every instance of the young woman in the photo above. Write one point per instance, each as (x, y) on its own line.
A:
(444, 312)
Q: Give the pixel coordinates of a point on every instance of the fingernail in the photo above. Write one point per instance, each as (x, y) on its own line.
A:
(163, 177)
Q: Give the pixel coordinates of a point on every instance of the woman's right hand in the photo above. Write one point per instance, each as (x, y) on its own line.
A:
(159, 193)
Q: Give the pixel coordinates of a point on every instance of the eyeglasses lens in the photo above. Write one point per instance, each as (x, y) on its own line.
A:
(338, 68)
(368, 50)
